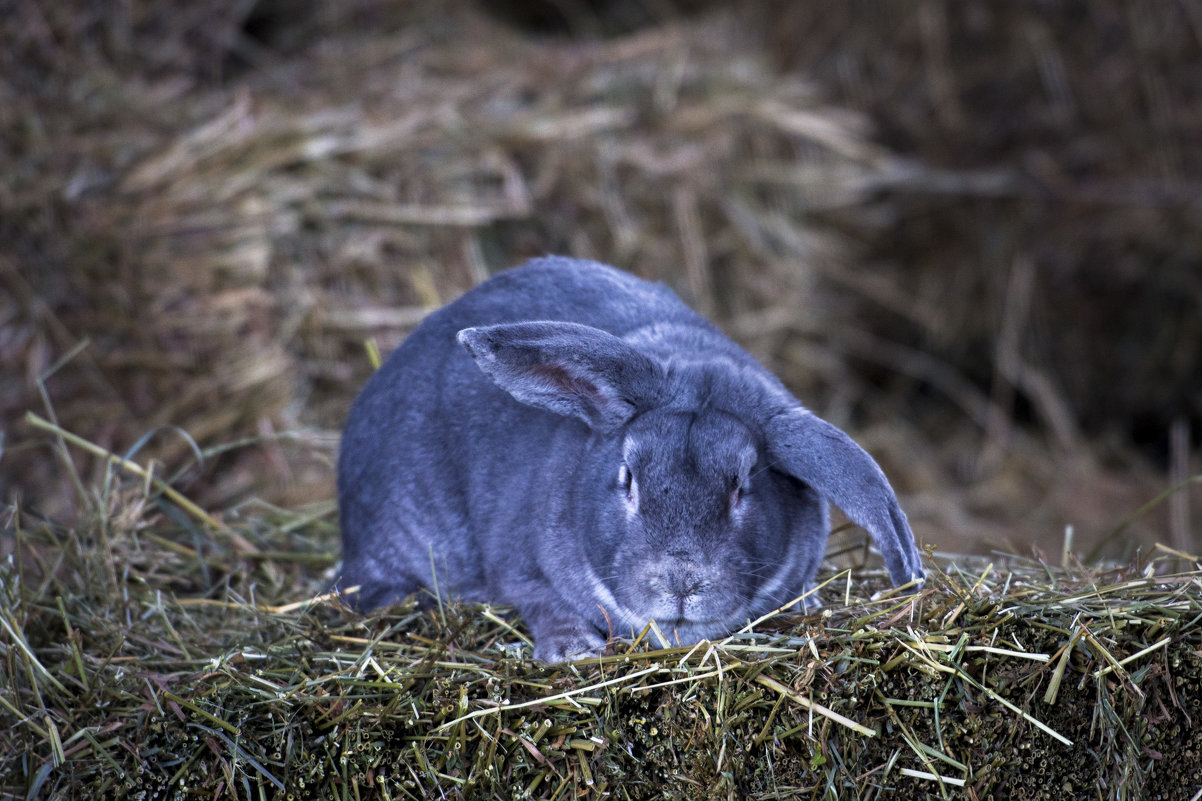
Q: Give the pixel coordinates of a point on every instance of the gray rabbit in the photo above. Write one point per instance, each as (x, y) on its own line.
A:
(577, 442)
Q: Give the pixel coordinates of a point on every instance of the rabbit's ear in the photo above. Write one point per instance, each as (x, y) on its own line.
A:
(814, 451)
(566, 368)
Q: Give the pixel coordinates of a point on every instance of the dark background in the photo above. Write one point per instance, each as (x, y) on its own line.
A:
(967, 232)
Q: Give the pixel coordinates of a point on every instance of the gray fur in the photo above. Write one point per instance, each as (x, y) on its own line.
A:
(578, 443)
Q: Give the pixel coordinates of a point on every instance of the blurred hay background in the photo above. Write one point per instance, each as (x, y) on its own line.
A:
(968, 233)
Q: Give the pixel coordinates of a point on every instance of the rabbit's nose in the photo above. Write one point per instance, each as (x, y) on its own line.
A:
(684, 584)
(683, 578)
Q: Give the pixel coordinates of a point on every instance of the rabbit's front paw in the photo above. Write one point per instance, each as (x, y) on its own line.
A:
(568, 643)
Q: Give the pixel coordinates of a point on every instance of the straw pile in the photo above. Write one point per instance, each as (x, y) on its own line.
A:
(146, 658)
(208, 213)
(227, 247)
(1042, 239)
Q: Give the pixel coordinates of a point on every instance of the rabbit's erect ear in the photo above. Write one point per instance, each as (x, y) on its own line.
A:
(566, 368)
(822, 456)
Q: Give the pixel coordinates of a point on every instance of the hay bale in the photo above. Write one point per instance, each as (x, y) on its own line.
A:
(1042, 243)
(227, 249)
(227, 203)
(143, 658)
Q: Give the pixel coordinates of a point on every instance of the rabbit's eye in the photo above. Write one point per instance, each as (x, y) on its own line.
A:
(626, 479)
(737, 495)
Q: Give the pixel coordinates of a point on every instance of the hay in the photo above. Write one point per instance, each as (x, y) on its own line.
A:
(225, 204)
(229, 256)
(1043, 242)
(146, 655)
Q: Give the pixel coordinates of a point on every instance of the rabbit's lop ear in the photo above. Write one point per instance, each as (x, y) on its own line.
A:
(566, 368)
(818, 453)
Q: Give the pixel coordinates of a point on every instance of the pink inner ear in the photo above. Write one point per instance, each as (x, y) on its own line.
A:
(561, 380)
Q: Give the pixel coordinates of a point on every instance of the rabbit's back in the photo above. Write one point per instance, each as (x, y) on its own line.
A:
(571, 290)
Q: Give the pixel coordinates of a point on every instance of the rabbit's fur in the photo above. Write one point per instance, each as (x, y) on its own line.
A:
(577, 442)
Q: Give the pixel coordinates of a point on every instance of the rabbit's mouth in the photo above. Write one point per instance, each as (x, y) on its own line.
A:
(695, 617)
(683, 621)
(686, 631)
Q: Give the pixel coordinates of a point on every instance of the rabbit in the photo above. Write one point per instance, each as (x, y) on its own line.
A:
(576, 442)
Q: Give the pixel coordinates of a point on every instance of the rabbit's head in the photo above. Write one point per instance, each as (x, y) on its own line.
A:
(697, 498)
(699, 522)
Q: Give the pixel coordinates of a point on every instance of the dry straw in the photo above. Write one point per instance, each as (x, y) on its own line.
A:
(228, 246)
(152, 652)
(226, 203)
